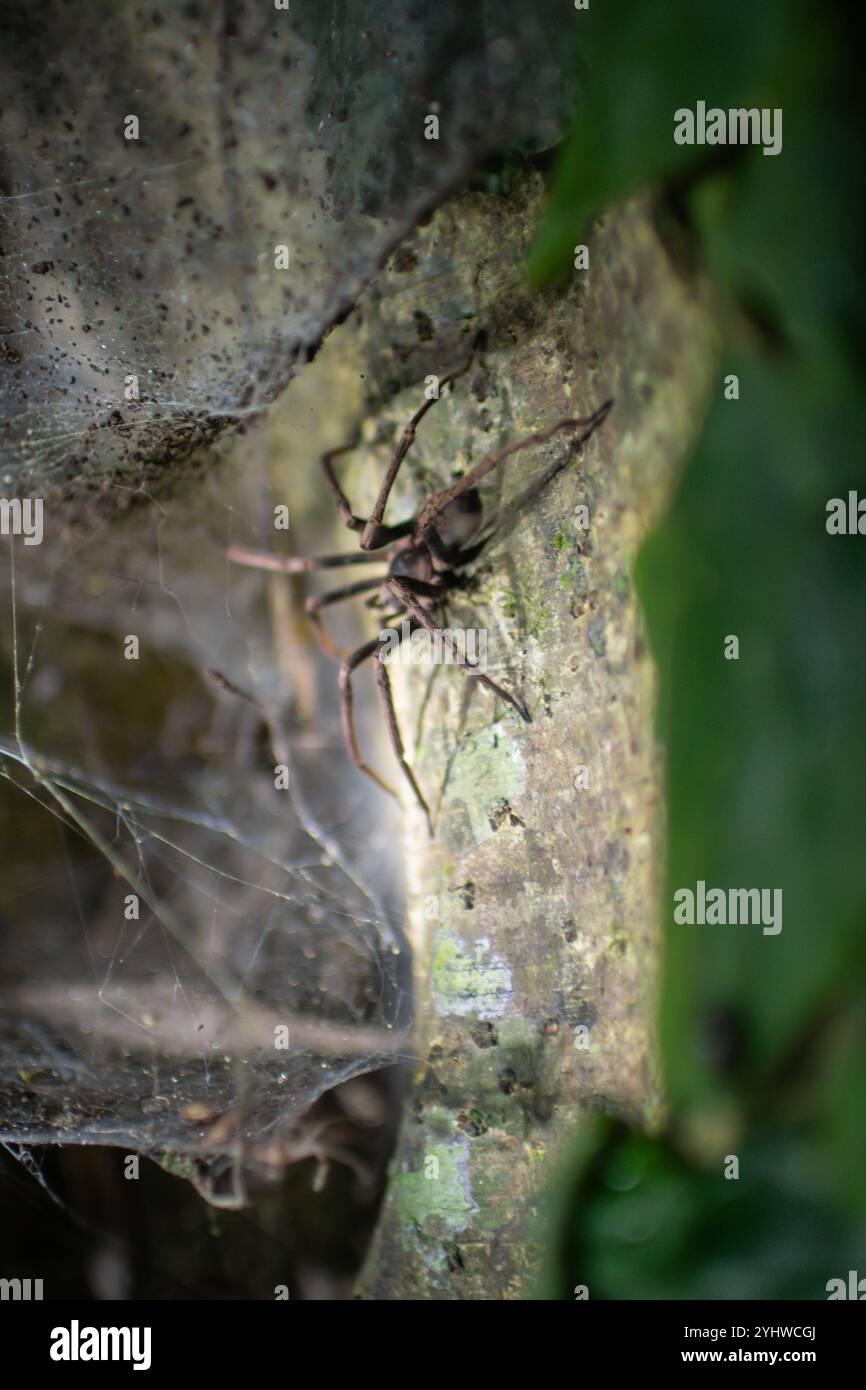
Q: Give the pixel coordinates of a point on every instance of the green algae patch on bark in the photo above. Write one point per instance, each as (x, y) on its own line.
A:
(478, 983)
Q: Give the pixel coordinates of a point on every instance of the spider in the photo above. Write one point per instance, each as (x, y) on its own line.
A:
(226, 1185)
(425, 557)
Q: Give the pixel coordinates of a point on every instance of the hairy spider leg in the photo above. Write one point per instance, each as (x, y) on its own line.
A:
(383, 681)
(344, 506)
(298, 564)
(349, 664)
(375, 534)
(313, 604)
(404, 589)
(347, 711)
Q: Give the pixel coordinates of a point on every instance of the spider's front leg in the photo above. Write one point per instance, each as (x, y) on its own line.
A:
(374, 533)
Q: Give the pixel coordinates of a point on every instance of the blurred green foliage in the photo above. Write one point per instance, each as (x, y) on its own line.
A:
(638, 1220)
(763, 1036)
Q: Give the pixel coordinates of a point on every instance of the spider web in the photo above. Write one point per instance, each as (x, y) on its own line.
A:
(190, 954)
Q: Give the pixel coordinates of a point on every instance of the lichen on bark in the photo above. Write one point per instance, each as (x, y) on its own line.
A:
(534, 910)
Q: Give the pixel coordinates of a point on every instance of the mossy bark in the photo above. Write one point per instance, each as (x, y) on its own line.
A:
(534, 910)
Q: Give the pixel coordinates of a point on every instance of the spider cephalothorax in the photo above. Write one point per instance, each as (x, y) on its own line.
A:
(425, 558)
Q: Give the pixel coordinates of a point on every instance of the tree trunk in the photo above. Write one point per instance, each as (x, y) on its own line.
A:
(533, 912)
